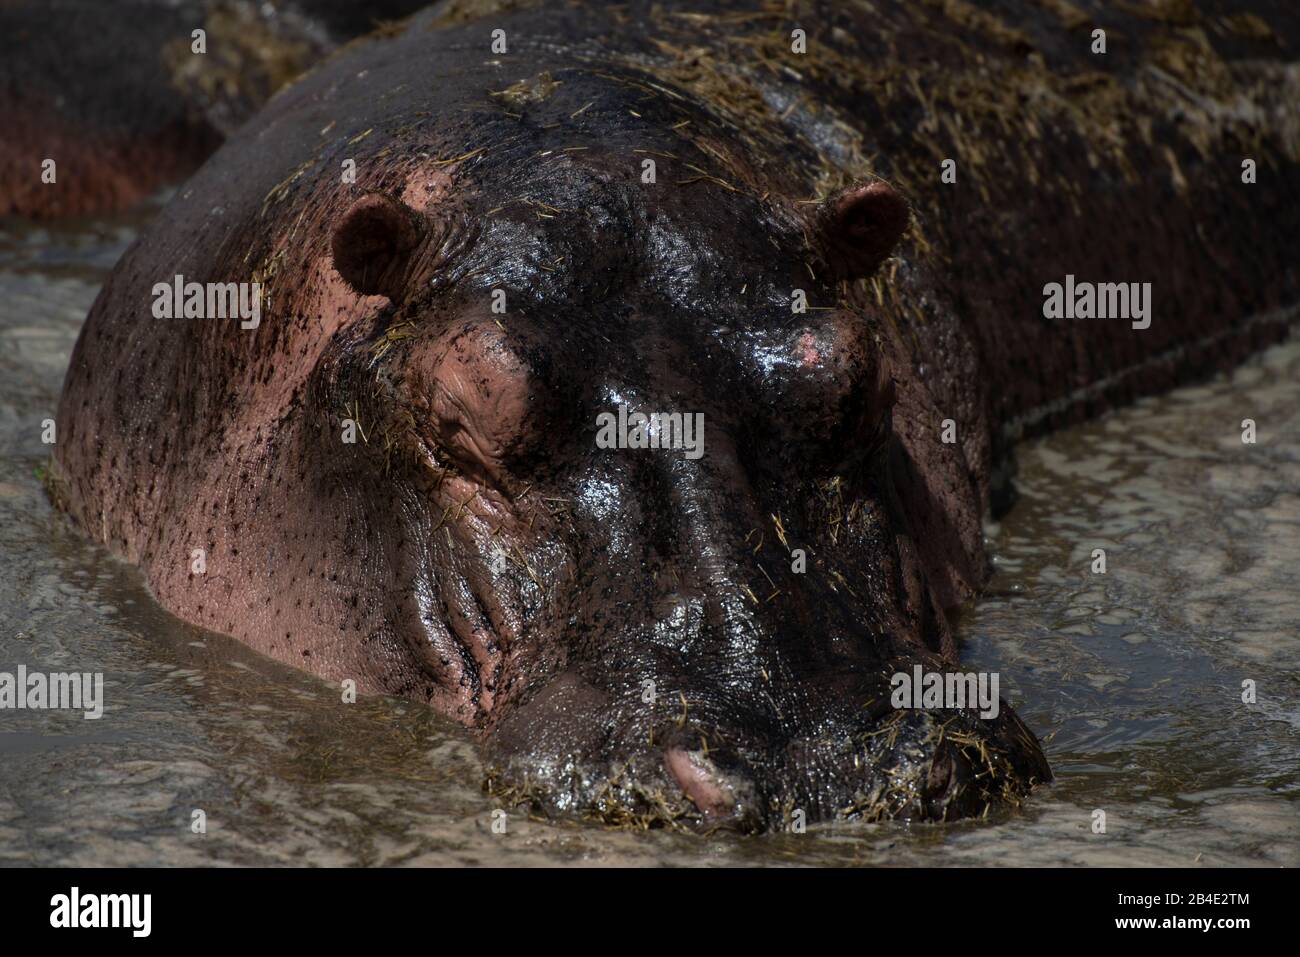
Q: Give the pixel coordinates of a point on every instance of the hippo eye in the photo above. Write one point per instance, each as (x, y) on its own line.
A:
(839, 387)
(864, 421)
(481, 405)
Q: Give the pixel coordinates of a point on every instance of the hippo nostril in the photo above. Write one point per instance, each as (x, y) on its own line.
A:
(943, 777)
(700, 781)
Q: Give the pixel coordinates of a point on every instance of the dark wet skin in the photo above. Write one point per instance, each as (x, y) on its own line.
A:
(623, 630)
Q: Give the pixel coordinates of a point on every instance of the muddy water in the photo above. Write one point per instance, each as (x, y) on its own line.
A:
(1133, 676)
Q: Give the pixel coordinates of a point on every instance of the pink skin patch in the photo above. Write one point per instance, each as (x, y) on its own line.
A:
(698, 783)
(810, 356)
(475, 394)
(426, 189)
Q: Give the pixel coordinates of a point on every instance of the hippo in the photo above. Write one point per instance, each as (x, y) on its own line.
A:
(630, 383)
(116, 96)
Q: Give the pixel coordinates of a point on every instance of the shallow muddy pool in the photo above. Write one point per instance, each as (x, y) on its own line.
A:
(1133, 677)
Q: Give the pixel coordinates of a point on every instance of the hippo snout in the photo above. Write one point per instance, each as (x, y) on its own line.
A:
(655, 763)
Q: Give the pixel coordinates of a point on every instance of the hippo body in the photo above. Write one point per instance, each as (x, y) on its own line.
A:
(623, 209)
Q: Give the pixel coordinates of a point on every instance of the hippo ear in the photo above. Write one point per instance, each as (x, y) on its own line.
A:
(374, 243)
(860, 226)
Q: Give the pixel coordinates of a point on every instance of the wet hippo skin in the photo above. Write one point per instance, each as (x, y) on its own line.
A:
(634, 635)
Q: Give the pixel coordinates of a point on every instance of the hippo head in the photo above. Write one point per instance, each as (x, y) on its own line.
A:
(652, 546)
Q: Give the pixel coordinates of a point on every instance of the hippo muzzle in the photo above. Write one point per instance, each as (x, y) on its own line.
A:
(730, 657)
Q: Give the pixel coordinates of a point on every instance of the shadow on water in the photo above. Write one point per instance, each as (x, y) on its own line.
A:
(1133, 676)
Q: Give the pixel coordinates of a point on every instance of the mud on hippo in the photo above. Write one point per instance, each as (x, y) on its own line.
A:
(395, 477)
